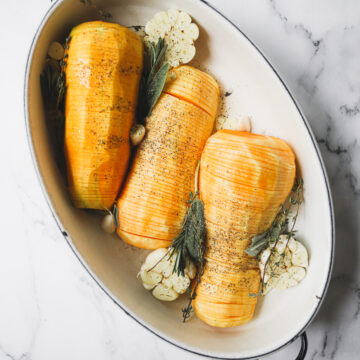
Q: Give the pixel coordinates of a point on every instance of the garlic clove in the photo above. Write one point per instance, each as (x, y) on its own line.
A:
(155, 257)
(160, 292)
(167, 283)
(180, 283)
(232, 123)
(192, 31)
(108, 223)
(150, 277)
(56, 51)
(292, 245)
(287, 258)
(183, 20)
(281, 244)
(190, 270)
(148, 286)
(187, 53)
(137, 134)
(297, 273)
(167, 268)
(244, 124)
(300, 256)
(265, 256)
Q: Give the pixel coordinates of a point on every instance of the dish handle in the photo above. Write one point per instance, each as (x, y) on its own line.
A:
(304, 347)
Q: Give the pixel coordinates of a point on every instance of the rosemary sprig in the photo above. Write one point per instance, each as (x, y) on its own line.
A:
(190, 243)
(53, 86)
(279, 226)
(153, 78)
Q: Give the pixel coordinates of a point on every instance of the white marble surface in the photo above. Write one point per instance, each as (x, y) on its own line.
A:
(50, 308)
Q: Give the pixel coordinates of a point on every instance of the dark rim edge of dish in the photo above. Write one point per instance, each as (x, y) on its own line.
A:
(45, 18)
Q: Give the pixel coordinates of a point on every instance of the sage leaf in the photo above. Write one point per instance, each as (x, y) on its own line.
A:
(156, 86)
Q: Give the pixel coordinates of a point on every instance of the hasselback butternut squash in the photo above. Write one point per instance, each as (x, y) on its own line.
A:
(103, 71)
(244, 178)
(152, 204)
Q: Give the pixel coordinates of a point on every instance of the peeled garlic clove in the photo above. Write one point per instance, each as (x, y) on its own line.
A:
(108, 224)
(150, 277)
(190, 270)
(56, 51)
(154, 257)
(297, 273)
(180, 283)
(137, 134)
(300, 256)
(245, 124)
(160, 292)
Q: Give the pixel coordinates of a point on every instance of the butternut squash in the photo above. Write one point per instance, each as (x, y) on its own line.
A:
(103, 71)
(152, 204)
(244, 178)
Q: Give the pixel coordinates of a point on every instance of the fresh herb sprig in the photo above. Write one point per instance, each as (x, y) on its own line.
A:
(279, 227)
(53, 87)
(153, 78)
(280, 224)
(190, 243)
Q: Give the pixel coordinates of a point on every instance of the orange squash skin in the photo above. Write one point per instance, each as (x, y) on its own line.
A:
(103, 71)
(152, 204)
(244, 178)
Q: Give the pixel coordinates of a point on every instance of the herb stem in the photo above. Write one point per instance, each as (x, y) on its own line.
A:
(159, 261)
(196, 181)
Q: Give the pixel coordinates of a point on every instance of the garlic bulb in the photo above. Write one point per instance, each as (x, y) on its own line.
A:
(157, 275)
(179, 33)
(285, 266)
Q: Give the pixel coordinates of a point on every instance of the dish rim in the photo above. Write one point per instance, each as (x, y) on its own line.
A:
(29, 59)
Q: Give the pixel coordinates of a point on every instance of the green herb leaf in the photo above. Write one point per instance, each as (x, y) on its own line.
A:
(156, 86)
(115, 214)
(258, 243)
(280, 224)
(190, 243)
(191, 240)
(153, 77)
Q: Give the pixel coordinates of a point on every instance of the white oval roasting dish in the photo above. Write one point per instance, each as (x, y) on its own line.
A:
(256, 90)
